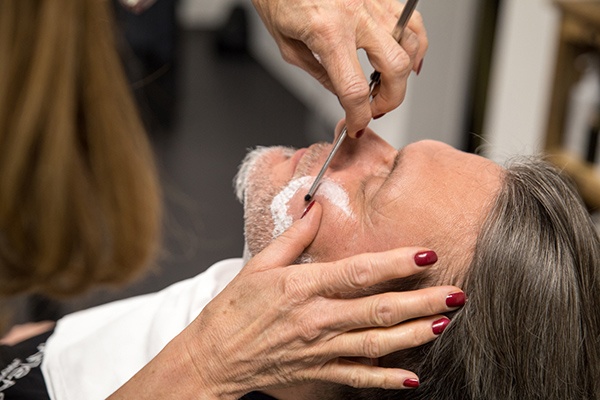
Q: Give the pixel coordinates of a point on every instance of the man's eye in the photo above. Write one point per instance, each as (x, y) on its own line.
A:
(371, 184)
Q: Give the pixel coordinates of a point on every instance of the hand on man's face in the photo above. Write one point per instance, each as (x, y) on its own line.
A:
(374, 197)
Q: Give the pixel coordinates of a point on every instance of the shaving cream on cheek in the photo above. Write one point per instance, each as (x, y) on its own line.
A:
(281, 204)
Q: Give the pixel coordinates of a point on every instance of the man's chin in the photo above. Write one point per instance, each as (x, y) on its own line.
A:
(255, 189)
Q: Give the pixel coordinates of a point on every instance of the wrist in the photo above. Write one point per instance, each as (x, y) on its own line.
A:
(174, 373)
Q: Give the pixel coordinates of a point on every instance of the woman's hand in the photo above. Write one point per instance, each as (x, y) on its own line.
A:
(322, 36)
(277, 325)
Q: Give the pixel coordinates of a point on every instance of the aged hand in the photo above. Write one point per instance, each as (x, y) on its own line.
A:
(322, 36)
(277, 325)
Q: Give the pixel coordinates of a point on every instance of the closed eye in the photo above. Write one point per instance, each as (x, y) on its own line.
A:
(396, 162)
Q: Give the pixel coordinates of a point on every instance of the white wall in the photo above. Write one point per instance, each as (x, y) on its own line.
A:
(207, 14)
(520, 84)
(520, 90)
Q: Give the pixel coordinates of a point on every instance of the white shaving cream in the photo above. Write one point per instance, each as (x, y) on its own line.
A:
(329, 189)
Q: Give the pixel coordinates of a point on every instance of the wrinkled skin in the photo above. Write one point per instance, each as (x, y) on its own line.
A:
(322, 37)
(278, 325)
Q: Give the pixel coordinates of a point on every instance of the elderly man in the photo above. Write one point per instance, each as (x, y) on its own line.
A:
(374, 197)
(518, 238)
(94, 352)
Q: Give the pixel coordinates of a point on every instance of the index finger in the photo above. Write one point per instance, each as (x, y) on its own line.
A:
(285, 249)
(364, 270)
(349, 84)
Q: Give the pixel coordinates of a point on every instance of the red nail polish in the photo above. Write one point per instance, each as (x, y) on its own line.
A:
(411, 383)
(378, 116)
(307, 209)
(419, 67)
(425, 258)
(440, 325)
(360, 133)
(456, 299)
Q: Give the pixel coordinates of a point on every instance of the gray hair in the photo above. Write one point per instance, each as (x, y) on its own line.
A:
(531, 326)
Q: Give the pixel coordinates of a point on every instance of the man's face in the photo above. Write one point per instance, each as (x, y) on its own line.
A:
(374, 197)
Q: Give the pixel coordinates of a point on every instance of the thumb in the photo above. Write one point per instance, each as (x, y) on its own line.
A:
(285, 249)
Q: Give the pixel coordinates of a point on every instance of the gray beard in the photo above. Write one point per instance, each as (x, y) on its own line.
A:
(255, 192)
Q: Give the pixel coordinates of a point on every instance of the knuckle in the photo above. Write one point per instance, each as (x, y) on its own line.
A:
(357, 379)
(383, 312)
(294, 288)
(354, 91)
(386, 383)
(317, 28)
(289, 55)
(359, 275)
(387, 102)
(371, 345)
(414, 338)
(399, 60)
(432, 305)
(308, 332)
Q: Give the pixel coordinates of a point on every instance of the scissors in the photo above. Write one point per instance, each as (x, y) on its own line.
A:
(375, 81)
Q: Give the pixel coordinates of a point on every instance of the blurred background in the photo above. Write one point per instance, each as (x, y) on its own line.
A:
(501, 77)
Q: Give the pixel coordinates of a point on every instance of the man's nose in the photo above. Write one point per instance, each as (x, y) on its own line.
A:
(350, 152)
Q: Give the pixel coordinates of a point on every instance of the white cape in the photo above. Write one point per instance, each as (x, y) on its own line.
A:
(93, 352)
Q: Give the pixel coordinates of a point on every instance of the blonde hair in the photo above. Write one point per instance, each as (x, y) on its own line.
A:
(79, 197)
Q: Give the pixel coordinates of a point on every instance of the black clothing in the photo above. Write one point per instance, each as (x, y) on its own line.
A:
(257, 396)
(21, 376)
(20, 373)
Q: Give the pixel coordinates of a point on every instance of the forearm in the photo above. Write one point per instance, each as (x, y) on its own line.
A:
(171, 374)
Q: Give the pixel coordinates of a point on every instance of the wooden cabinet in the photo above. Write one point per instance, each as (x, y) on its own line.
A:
(580, 34)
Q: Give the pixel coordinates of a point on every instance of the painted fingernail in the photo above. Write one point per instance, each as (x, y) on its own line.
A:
(425, 258)
(360, 133)
(307, 209)
(378, 116)
(455, 299)
(419, 67)
(411, 383)
(440, 325)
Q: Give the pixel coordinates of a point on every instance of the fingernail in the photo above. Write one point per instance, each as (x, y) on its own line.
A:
(440, 325)
(411, 383)
(378, 116)
(307, 209)
(360, 133)
(425, 258)
(420, 66)
(455, 299)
